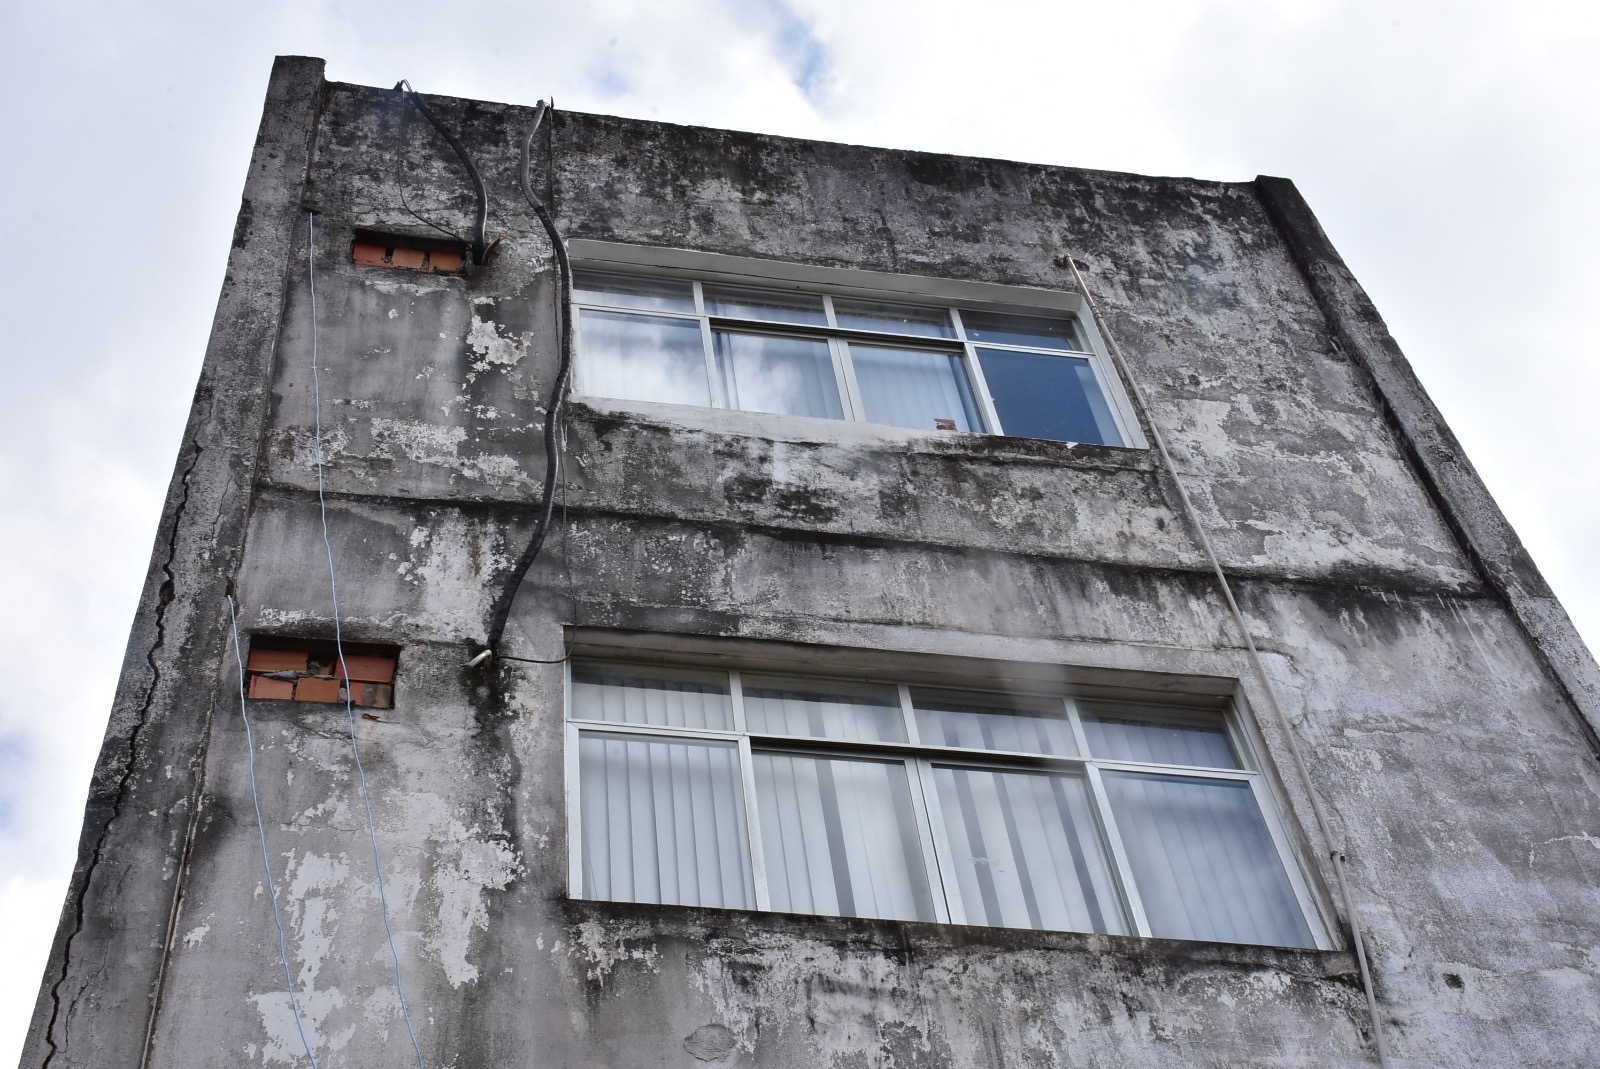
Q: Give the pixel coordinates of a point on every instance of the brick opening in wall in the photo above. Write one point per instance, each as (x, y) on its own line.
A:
(372, 249)
(309, 670)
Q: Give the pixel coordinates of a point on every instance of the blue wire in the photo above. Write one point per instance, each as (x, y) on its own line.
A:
(261, 831)
(338, 641)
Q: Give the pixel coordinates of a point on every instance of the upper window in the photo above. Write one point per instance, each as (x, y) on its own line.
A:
(879, 799)
(935, 367)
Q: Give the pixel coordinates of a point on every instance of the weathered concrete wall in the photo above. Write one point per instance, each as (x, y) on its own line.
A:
(1445, 733)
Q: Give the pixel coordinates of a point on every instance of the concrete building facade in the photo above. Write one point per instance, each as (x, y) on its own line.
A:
(993, 614)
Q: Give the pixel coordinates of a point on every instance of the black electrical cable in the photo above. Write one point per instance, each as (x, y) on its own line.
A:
(502, 606)
(480, 239)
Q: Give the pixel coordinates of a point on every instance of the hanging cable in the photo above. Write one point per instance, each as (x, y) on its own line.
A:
(338, 641)
(480, 239)
(1323, 823)
(502, 605)
(261, 832)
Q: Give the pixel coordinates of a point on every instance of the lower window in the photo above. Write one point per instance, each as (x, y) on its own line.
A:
(881, 799)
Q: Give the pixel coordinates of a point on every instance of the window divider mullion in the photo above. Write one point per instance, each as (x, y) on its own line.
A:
(941, 864)
(1119, 853)
(752, 825)
(980, 385)
(736, 701)
(844, 380)
(908, 714)
(1079, 736)
(718, 389)
(852, 388)
(574, 797)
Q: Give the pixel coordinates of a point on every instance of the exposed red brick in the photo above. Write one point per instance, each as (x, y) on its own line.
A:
(366, 669)
(373, 695)
(366, 252)
(316, 689)
(408, 258)
(277, 660)
(445, 260)
(262, 687)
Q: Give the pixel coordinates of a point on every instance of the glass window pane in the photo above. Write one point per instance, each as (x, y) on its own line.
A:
(993, 722)
(765, 305)
(1052, 397)
(1204, 862)
(1026, 850)
(792, 376)
(661, 697)
(1132, 733)
(622, 291)
(893, 318)
(775, 706)
(908, 388)
(663, 821)
(1038, 332)
(643, 358)
(839, 837)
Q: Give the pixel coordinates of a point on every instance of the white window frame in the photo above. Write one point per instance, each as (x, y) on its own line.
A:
(777, 277)
(919, 758)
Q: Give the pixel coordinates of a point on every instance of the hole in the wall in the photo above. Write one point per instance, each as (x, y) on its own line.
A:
(371, 248)
(308, 670)
(1452, 980)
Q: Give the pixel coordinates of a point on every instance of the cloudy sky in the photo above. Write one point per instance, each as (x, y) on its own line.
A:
(1450, 150)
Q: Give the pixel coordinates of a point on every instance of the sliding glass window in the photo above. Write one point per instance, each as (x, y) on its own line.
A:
(860, 798)
(833, 356)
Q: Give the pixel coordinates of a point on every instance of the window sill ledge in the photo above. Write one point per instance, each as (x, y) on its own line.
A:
(701, 925)
(607, 415)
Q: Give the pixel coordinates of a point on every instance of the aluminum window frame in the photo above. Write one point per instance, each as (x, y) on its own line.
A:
(1015, 301)
(919, 759)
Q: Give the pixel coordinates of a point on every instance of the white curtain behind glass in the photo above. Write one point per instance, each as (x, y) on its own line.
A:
(1177, 742)
(643, 358)
(785, 707)
(663, 821)
(789, 376)
(973, 725)
(660, 699)
(905, 388)
(1203, 860)
(839, 837)
(1026, 851)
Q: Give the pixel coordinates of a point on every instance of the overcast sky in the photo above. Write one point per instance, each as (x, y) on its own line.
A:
(1449, 149)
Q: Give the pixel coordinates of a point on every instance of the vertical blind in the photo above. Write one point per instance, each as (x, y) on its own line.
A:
(839, 837)
(697, 788)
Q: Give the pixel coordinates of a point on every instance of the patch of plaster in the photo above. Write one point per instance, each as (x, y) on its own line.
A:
(604, 949)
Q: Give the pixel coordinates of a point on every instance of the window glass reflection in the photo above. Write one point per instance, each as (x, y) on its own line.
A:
(765, 305)
(1052, 397)
(908, 388)
(1005, 328)
(621, 291)
(774, 706)
(791, 376)
(643, 358)
(993, 722)
(893, 318)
